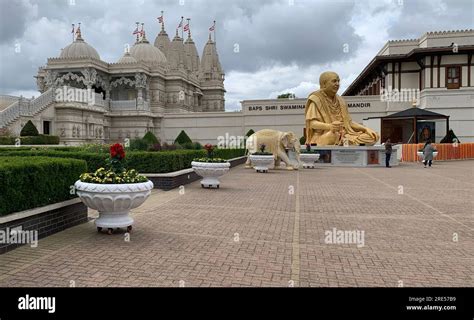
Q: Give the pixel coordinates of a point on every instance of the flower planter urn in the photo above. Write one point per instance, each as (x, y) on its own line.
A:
(210, 171)
(309, 159)
(113, 201)
(262, 163)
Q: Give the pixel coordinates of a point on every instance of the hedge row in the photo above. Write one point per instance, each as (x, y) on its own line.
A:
(145, 162)
(34, 140)
(32, 182)
(40, 148)
(94, 160)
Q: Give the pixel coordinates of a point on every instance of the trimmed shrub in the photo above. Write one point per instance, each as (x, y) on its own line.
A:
(31, 140)
(138, 145)
(302, 140)
(40, 139)
(7, 140)
(36, 181)
(40, 148)
(182, 138)
(450, 137)
(197, 146)
(90, 147)
(29, 130)
(155, 147)
(188, 146)
(168, 147)
(228, 153)
(150, 138)
(94, 160)
(249, 133)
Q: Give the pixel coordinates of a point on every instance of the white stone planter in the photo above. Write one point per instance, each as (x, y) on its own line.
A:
(113, 201)
(420, 154)
(262, 163)
(308, 159)
(210, 172)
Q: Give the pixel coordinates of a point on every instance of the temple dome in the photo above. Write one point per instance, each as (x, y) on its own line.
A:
(79, 49)
(144, 52)
(127, 58)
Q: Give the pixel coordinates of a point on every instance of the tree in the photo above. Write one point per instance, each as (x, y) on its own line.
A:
(29, 130)
(288, 95)
(249, 133)
(182, 138)
(150, 138)
(450, 138)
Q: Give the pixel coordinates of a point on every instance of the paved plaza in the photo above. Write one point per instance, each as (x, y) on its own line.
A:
(415, 228)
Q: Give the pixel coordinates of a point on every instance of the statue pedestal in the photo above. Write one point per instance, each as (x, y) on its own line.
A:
(354, 156)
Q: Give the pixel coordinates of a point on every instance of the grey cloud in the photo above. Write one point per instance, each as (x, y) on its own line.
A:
(268, 33)
(12, 22)
(419, 17)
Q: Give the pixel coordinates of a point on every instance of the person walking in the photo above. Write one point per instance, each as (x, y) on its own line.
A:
(388, 153)
(428, 150)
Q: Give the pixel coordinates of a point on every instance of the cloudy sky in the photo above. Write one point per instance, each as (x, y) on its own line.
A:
(266, 47)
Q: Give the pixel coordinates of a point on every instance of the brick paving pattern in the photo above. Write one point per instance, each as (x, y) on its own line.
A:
(269, 230)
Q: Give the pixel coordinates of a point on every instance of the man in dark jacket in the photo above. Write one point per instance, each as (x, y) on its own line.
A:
(388, 153)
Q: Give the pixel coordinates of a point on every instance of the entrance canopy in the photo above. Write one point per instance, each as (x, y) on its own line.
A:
(413, 125)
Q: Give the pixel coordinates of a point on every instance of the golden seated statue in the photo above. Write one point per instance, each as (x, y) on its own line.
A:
(327, 118)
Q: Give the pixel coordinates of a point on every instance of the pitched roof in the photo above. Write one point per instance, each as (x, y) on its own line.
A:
(416, 112)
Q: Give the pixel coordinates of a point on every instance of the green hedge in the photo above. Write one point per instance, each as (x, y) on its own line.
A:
(31, 140)
(28, 183)
(142, 161)
(7, 141)
(162, 162)
(41, 148)
(94, 160)
(229, 153)
(41, 139)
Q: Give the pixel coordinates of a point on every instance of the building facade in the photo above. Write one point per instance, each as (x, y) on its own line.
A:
(84, 99)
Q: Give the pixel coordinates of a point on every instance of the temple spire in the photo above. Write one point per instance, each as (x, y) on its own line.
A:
(189, 28)
(162, 21)
(137, 32)
(78, 33)
(142, 32)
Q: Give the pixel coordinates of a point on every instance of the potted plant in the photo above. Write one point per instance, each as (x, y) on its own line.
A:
(421, 155)
(262, 160)
(308, 157)
(210, 168)
(113, 191)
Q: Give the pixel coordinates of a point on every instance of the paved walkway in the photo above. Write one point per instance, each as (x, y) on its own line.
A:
(272, 230)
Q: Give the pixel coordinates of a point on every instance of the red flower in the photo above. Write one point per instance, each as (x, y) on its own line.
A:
(116, 151)
(209, 147)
